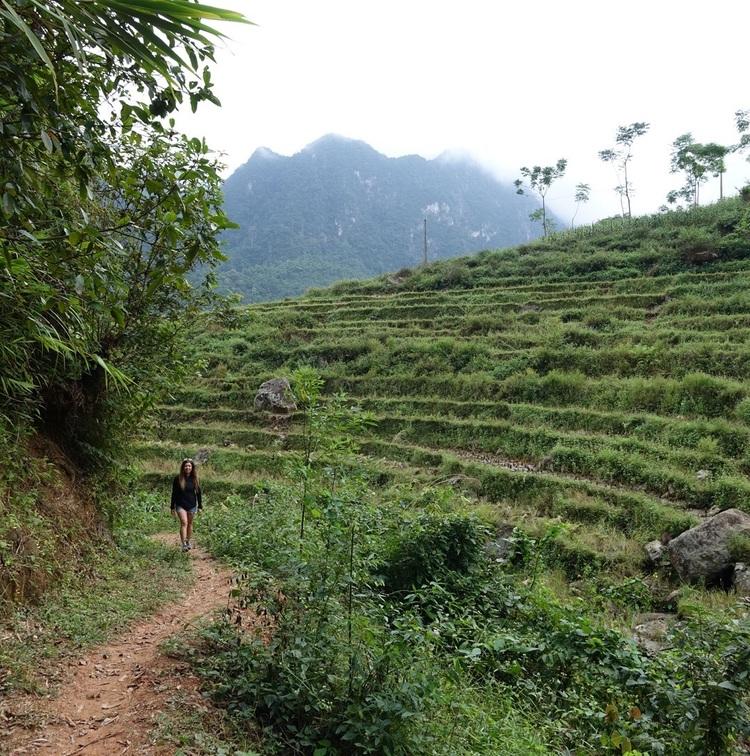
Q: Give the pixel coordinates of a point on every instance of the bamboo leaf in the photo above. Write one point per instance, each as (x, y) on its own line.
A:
(16, 20)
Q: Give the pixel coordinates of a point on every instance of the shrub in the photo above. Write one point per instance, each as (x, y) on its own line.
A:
(739, 547)
(742, 410)
(579, 337)
(563, 388)
(703, 394)
(432, 547)
(697, 244)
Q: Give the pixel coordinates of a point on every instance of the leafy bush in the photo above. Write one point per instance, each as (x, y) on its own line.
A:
(739, 547)
(702, 394)
(742, 410)
(431, 548)
(696, 244)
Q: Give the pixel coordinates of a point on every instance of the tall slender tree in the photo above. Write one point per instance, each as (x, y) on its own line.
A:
(582, 195)
(714, 156)
(621, 155)
(539, 180)
(697, 162)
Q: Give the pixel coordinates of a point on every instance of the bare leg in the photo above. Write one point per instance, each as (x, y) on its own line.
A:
(183, 515)
(189, 526)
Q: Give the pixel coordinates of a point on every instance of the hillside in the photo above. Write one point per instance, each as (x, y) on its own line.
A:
(339, 209)
(583, 396)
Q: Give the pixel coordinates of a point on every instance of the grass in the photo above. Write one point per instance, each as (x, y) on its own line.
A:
(189, 724)
(587, 392)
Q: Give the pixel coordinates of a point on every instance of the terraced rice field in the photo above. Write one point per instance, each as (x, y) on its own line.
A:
(618, 404)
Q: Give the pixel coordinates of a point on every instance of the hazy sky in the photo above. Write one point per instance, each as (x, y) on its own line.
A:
(509, 83)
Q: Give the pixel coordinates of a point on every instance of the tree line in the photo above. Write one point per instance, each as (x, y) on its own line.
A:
(696, 161)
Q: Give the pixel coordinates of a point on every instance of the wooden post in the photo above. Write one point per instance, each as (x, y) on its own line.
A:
(425, 242)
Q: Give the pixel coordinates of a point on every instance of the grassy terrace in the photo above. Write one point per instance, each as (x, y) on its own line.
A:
(597, 377)
(579, 396)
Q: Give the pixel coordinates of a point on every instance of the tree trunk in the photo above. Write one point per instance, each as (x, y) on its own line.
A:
(627, 187)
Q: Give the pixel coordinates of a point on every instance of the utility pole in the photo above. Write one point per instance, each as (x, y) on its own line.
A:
(425, 241)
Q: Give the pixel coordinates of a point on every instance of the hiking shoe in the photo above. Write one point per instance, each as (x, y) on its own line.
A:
(186, 546)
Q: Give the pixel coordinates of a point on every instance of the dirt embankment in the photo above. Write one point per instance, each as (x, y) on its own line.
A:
(49, 521)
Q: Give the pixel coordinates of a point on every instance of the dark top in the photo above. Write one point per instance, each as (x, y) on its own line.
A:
(188, 498)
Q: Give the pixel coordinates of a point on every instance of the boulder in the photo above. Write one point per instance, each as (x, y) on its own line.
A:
(654, 551)
(742, 579)
(702, 553)
(275, 396)
(202, 455)
(499, 550)
(650, 630)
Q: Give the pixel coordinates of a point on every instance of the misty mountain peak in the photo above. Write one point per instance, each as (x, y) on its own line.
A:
(340, 209)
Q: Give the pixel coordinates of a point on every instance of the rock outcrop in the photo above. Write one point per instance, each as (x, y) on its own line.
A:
(650, 630)
(654, 552)
(703, 552)
(742, 579)
(275, 396)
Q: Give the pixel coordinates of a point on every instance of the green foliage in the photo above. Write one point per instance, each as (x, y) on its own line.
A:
(496, 631)
(579, 397)
(104, 208)
(739, 547)
(621, 156)
(697, 244)
(539, 180)
(431, 548)
(697, 161)
(742, 410)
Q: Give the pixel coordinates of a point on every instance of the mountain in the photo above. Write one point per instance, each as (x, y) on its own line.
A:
(338, 209)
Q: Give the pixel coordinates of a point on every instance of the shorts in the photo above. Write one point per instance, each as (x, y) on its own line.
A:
(189, 511)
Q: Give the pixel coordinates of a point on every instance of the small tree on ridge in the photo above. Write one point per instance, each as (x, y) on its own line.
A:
(621, 155)
(583, 195)
(697, 161)
(539, 180)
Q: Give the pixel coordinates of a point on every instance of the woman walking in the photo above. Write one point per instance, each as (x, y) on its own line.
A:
(186, 500)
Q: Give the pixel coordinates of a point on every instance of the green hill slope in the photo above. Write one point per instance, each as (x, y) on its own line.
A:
(590, 390)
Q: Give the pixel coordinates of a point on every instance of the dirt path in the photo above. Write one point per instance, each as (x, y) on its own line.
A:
(111, 698)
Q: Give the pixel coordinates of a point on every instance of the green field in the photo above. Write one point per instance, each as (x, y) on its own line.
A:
(589, 390)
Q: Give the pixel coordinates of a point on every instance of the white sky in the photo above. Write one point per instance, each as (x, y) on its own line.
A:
(510, 83)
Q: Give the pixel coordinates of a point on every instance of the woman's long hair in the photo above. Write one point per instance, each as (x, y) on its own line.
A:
(193, 474)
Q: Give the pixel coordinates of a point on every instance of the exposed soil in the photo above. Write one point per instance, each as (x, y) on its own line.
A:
(72, 523)
(110, 699)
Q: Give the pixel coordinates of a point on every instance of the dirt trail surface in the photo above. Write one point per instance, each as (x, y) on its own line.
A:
(110, 699)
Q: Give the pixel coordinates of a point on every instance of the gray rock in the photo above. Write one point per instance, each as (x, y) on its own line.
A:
(500, 550)
(702, 553)
(701, 255)
(742, 579)
(650, 630)
(275, 396)
(202, 455)
(654, 551)
(703, 474)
